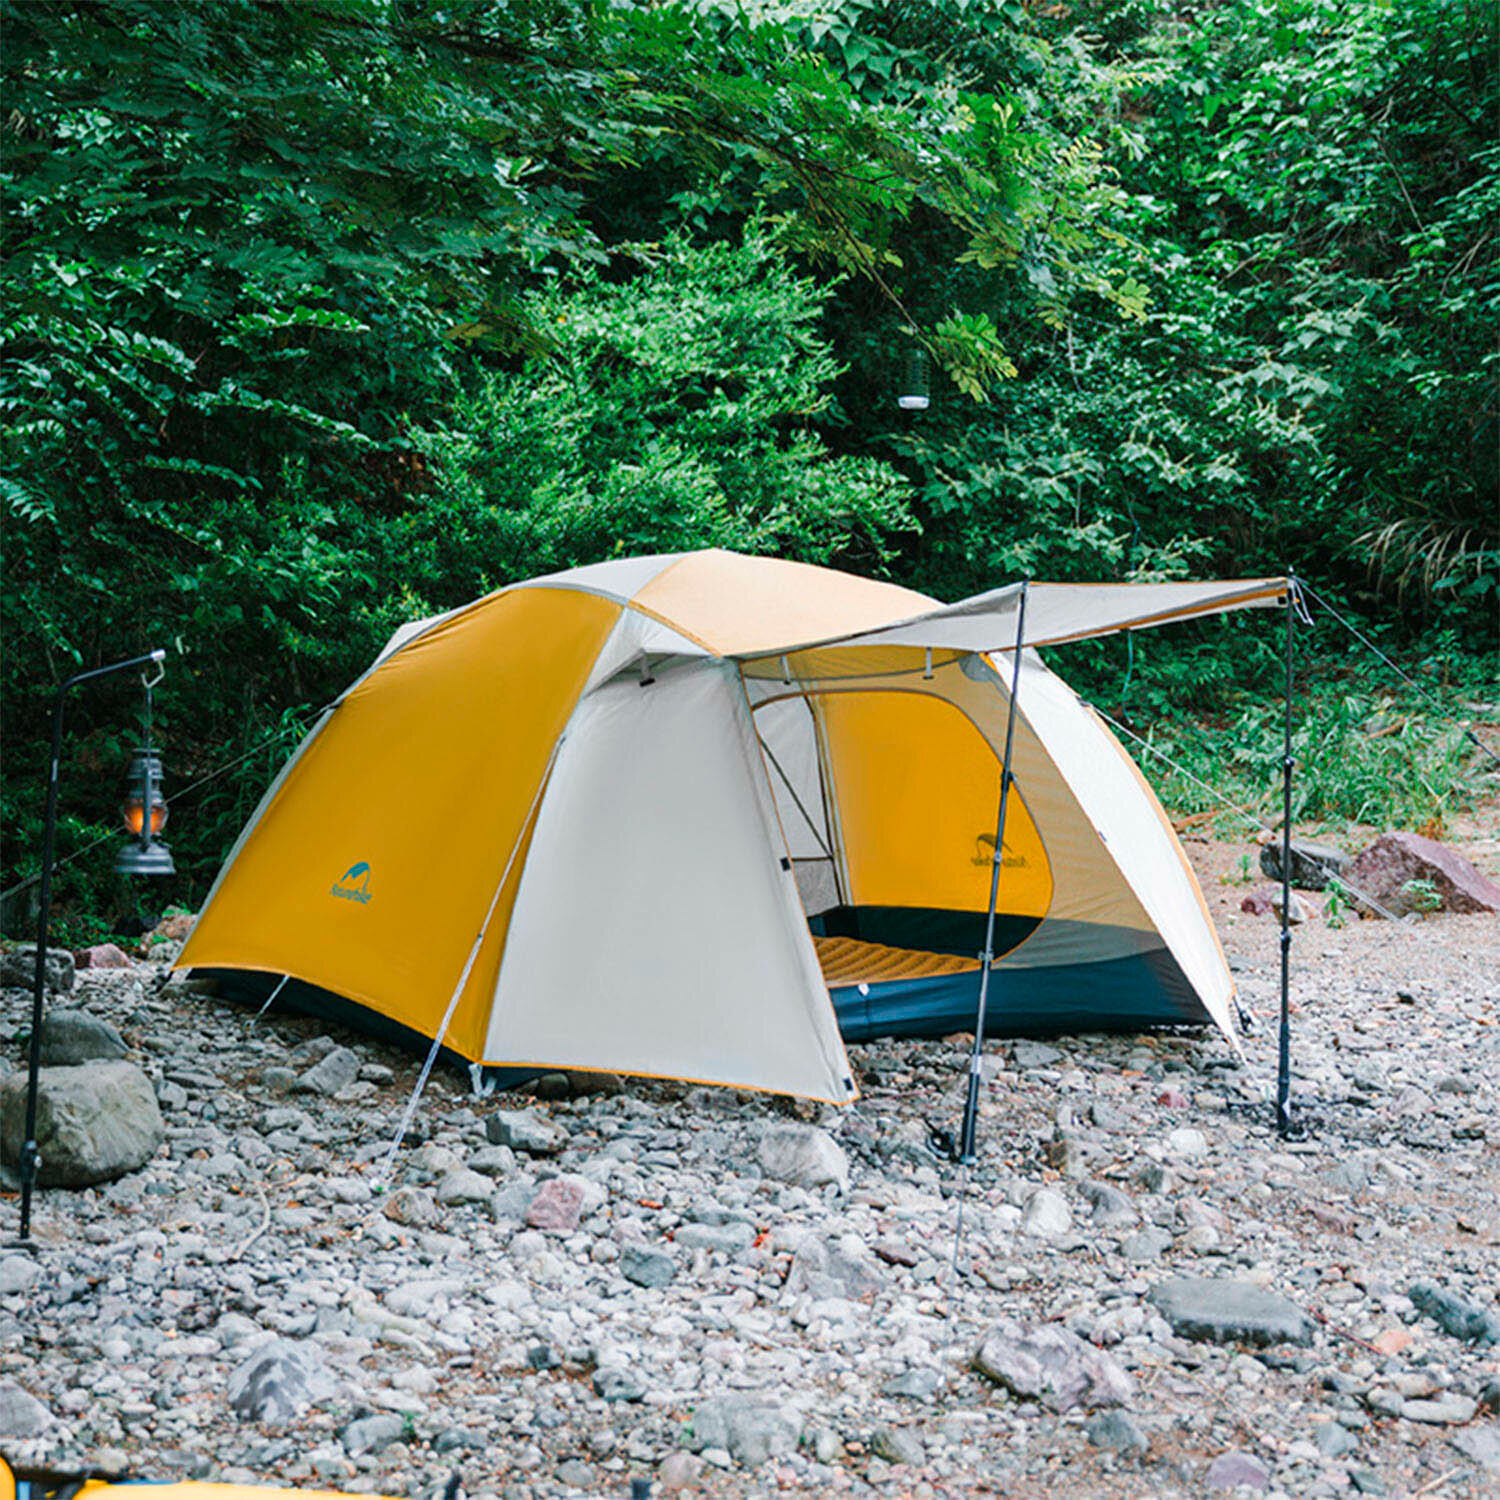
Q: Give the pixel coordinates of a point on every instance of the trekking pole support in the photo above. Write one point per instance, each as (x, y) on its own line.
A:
(987, 958)
(1284, 1124)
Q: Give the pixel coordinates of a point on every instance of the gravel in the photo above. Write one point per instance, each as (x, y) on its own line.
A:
(595, 1287)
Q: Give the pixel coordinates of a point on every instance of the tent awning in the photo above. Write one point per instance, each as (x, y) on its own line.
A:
(1055, 613)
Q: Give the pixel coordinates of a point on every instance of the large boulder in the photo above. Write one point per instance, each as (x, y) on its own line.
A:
(95, 1122)
(1387, 869)
(1312, 864)
(18, 968)
(70, 1037)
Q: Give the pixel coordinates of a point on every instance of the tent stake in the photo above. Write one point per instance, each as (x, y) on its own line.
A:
(1284, 1125)
(987, 958)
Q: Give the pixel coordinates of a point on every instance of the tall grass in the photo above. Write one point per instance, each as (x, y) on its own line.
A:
(1369, 758)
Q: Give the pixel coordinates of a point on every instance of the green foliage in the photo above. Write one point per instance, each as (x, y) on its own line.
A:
(1362, 758)
(673, 410)
(319, 317)
(1422, 896)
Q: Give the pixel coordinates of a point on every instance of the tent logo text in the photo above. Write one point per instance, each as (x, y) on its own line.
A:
(353, 884)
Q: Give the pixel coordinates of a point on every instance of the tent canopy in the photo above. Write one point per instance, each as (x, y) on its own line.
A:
(674, 815)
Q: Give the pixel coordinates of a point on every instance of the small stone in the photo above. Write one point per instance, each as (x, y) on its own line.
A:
(18, 1273)
(919, 1383)
(615, 1383)
(278, 1382)
(371, 1434)
(1116, 1430)
(895, 1252)
(898, 1445)
(510, 1204)
(1112, 1207)
(412, 1206)
(493, 1161)
(1237, 1470)
(803, 1156)
(103, 956)
(1334, 1440)
(463, 1186)
(70, 1037)
(1299, 909)
(648, 1268)
(21, 1414)
(561, 1203)
(1051, 1365)
(1462, 1319)
(1449, 1408)
(728, 1239)
(1224, 1311)
(1311, 864)
(524, 1130)
(1046, 1214)
(1480, 1443)
(1186, 1144)
(1146, 1244)
(680, 1471)
(750, 1429)
(834, 1268)
(1028, 1054)
(337, 1070)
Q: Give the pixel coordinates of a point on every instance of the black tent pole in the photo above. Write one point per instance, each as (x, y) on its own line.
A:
(987, 958)
(1284, 1126)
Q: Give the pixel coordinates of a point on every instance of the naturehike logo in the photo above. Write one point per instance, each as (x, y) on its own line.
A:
(984, 853)
(353, 884)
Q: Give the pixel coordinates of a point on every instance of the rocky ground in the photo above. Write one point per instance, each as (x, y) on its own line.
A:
(728, 1297)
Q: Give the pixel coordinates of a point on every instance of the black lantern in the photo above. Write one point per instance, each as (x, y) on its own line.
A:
(915, 393)
(142, 855)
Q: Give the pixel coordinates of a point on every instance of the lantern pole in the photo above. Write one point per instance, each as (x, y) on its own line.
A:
(29, 1160)
(987, 958)
(1285, 1125)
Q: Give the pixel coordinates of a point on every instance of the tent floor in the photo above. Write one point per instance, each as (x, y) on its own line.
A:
(849, 961)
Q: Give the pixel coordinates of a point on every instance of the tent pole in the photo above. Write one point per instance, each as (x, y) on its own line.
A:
(1284, 1125)
(409, 1113)
(987, 958)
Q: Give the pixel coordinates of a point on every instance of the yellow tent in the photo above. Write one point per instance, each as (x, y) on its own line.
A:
(696, 815)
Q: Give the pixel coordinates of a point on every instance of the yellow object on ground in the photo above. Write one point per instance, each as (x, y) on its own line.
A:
(45, 1485)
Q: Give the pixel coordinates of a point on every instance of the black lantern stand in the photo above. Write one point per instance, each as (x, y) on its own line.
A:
(28, 1159)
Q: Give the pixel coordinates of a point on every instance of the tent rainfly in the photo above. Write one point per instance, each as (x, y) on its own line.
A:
(707, 816)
